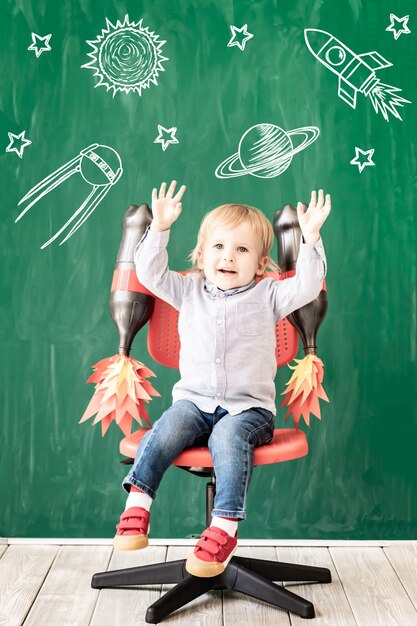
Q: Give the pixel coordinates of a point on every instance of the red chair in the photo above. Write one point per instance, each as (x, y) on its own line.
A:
(249, 576)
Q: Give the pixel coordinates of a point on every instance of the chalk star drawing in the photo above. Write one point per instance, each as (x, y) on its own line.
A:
(162, 136)
(359, 161)
(356, 72)
(36, 47)
(265, 151)
(242, 41)
(126, 57)
(398, 30)
(18, 143)
(100, 166)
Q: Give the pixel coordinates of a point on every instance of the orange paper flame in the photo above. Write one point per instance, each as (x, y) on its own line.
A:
(120, 394)
(305, 389)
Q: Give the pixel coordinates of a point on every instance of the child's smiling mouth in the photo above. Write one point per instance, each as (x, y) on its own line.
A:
(227, 271)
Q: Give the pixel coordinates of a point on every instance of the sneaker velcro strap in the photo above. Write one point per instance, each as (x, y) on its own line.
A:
(207, 547)
(130, 520)
(214, 536)
(134, 512)
(131, 523)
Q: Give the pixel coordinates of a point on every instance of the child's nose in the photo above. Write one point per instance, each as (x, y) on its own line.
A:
(228, 256)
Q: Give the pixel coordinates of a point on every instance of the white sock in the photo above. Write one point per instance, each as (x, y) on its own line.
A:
(229, 526)
(138, 499)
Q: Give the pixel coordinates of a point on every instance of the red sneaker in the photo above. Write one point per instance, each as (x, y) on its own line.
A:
(212, 553)
(133, 529)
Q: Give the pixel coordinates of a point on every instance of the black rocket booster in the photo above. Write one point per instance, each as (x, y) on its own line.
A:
(308, 318)
(131, 305)
(121, 385)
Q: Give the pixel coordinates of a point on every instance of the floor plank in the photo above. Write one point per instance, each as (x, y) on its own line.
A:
(330, 603)
(127, 606)
(66, 597)
(372, 587)
(22, 572)
(403, 558)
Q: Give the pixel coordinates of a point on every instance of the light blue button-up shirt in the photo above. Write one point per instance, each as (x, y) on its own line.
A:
(227, 355)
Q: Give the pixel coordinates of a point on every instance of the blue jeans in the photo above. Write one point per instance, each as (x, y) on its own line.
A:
(230, 438)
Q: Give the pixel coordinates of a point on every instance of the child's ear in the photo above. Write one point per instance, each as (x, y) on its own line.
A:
(200, 259)
(261, 265)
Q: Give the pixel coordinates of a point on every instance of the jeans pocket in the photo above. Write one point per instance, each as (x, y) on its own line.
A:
(249, 318)
(263, 434)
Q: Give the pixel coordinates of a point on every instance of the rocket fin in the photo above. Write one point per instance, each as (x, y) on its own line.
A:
(347, 93)
(375, 60)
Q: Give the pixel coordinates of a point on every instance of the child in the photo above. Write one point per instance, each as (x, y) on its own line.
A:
(226, 393)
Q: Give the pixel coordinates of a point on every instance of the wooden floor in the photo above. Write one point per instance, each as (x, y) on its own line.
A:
(50, 585)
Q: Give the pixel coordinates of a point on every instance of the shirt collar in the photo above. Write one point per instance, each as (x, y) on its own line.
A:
(216, 292)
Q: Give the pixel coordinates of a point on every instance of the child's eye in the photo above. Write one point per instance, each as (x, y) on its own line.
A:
(219, 246)
(242, 249)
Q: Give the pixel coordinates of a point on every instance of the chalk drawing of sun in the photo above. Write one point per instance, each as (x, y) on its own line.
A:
(126, 57)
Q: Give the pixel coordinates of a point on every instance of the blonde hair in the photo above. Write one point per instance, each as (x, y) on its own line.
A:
(232, 215)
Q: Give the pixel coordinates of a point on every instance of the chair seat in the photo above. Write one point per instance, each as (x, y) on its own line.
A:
(287, 444)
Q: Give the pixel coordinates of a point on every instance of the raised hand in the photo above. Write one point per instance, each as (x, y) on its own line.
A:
(167, 207)
(312, 218)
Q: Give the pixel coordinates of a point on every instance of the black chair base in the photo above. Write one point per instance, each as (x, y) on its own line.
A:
(252, 577)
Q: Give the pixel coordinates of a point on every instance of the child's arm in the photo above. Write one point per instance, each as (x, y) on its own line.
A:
(151, 258)
(293, 293)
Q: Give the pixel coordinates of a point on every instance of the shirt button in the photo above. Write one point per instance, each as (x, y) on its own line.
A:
(221, 295)
(219, 321)
(218, 360)
(218, 395)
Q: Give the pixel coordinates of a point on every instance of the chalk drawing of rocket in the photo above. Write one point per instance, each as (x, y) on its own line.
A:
(356, 72)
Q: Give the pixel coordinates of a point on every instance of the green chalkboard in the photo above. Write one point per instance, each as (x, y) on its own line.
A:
(61, 479)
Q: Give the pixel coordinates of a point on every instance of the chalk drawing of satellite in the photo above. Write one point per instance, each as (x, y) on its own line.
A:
(356, 72)
(100, 166)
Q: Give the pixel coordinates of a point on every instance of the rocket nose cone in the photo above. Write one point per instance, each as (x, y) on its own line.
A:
(316, 39)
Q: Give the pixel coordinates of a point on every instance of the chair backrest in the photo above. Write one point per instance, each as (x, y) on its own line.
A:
(164, 341)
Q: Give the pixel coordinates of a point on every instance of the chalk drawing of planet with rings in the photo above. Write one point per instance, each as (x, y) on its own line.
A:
(266, 150)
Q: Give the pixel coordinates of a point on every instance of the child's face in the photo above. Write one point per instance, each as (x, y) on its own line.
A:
(231, 256)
